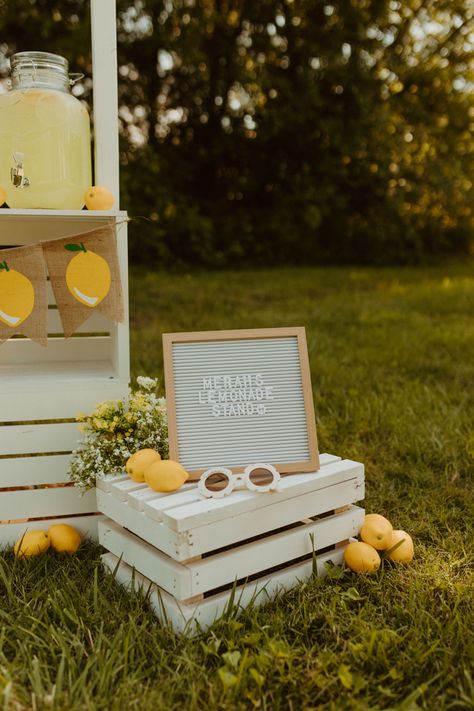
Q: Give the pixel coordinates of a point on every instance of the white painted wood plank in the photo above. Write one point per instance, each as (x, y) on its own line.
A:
(24, 351)
(187, 580)
(19, 227)
(104, 62)
(148, 560)
(205, 511)
(120, 489)
(37, 398)
(120, 332)
(104, 483)
(139, 499)
(192, 619)
(31, 471)
(96, 323)
(86, 525)
(155, 533)
(188, 544)
(35, 503)
(31, 438)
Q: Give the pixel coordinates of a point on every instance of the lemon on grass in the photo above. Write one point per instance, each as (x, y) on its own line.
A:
(376, 531)
(361, 557)
(31, 543)
(138, 462)
(64, 538)
(400, 548)
(98, 197)
(87, 275)
(17, 296)
(165, 475)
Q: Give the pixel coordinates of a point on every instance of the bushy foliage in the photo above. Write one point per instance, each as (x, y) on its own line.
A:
(284, 130)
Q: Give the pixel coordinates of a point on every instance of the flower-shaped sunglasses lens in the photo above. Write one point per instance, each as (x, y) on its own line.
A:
(216, 482)
(261, 477)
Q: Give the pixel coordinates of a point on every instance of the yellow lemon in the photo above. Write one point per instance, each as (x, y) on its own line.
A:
(165, 475)
(64, 538)
(138, 462)
(98, 197)
(87, 275)
(376, 530)
(3, 195)
(31, 543)
(17, 296)
(361, 558)
(402, 553)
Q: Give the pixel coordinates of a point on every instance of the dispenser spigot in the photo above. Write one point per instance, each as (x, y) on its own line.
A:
(18, 177)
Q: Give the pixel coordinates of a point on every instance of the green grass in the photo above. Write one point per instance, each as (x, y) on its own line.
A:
(392, 365)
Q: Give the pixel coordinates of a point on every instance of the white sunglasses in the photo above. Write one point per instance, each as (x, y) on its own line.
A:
(220, 481)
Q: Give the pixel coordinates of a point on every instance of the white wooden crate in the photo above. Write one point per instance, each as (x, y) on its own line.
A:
(193, 552)
(43, 389)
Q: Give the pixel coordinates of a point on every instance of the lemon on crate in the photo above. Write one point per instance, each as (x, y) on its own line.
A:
(376, 531)
(87, 275)
(64, 538)
(31, 543)
(165, 475)
(138, 462)
(400, 548)
(361, 557)
(98, 197)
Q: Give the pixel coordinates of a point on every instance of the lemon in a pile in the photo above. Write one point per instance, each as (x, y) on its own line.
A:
(138, 462)
(31, 543)
(165, 475)
(376, 531)
(64, 538)
(361, 557)
(402, 553)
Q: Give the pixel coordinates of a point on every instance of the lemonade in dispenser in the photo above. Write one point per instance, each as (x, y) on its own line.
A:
(45, 148)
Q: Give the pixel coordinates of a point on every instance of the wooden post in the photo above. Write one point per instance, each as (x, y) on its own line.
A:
(105, 92)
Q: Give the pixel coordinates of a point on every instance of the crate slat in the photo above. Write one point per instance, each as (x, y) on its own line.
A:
(30, 471)
(187, 580)
(23, 350)
(35, 503)
(31, 438)
(96, 323)
(190, 619)
(34, 398)
(86, 525)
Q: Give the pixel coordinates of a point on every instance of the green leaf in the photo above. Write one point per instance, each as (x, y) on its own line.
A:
(227, 678)
(345, 676)
(75, 247)
(259, 679)
(4, 265)
(232, 658)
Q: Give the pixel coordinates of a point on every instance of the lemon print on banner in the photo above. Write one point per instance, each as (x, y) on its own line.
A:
(17, 296)
(87, 275)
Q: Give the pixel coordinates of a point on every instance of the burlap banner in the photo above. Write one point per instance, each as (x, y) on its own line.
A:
(85, 276)
(23, 301)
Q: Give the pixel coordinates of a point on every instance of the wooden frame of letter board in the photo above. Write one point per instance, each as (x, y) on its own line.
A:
(169, 339)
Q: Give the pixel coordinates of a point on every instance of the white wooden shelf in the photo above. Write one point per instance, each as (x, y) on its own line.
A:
(81, 371)
(28, 226)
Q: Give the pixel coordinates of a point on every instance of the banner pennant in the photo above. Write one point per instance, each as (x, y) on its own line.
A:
(23, 300)
(85, 276)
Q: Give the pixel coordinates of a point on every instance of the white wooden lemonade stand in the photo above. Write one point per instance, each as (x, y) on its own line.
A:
(43, 389)
(194, 556)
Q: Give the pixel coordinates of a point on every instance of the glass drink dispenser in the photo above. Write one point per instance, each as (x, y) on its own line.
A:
(45, 148)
